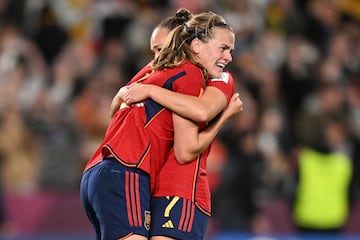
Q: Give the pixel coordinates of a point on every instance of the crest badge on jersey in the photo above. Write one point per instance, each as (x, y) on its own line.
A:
(147, 220)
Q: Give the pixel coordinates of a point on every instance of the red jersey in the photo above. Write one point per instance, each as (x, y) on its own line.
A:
(190, 180)
(142, 135)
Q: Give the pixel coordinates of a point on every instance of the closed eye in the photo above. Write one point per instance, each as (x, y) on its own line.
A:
(226, 47)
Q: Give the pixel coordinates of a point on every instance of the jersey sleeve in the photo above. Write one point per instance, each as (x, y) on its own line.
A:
(224, 83)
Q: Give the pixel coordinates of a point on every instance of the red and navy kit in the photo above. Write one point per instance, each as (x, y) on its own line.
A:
(121, 129)
(116, 199)
(132, 129)
(178, 218)
(187, 79)
(189, 182)
(138, 137)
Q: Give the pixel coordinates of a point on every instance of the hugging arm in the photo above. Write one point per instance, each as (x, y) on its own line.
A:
(189, 142)
(198, 109)
(115, 104)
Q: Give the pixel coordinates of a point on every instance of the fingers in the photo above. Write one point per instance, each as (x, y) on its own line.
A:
(237, 100)
(123, 91)
(131, 85)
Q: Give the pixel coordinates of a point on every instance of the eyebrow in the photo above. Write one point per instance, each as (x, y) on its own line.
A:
(227, 46)
(156, 46)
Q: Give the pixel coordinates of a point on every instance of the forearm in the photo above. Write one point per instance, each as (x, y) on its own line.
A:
(187, 106)
(115, 105)
(188, 145)
(207, 136)
(196, 108)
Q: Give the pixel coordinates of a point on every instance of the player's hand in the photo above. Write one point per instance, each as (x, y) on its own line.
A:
(234, 107)
(135, 93)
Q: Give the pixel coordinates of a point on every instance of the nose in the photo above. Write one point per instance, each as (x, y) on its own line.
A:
(228, 57)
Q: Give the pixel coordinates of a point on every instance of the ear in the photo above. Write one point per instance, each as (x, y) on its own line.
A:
(196, 45)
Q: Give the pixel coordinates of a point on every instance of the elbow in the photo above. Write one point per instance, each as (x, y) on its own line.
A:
(203, 115)
(184, 157)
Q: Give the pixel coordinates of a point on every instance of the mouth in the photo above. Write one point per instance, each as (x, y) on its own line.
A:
(221, 65)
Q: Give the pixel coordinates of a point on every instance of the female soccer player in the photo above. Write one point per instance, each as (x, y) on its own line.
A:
(181, 207)
(115, 185)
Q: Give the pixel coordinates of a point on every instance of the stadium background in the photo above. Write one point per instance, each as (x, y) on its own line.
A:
(62, 61)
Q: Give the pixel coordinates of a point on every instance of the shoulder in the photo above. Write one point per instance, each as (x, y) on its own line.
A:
(225, 77)
(190, 67)
(224, 83)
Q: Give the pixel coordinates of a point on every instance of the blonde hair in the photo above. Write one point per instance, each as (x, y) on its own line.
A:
(177, 44)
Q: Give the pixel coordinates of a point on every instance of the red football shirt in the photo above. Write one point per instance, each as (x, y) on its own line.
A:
(143, 134)
(119, 121)
(190, 180)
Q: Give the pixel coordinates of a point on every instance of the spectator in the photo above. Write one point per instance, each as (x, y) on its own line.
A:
(324, 192)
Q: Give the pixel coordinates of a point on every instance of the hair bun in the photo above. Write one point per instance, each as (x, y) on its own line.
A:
(182, 15)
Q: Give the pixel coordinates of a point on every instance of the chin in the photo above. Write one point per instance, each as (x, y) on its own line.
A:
(215, 75)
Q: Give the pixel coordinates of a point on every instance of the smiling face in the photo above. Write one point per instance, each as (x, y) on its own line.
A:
(215, 54)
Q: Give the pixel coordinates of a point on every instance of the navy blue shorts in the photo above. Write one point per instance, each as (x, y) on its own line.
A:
(116, 199)
(177, 218)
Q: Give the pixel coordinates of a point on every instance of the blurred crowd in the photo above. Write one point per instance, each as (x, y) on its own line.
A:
(296, 64)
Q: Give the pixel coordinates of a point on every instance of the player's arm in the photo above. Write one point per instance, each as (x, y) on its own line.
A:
(198, 109)
(189, 142)
(116, 102)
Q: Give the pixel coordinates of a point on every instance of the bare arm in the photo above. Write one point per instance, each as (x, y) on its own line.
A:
(117, 101)
(198, 109)
(189, 143)
(115, 104)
